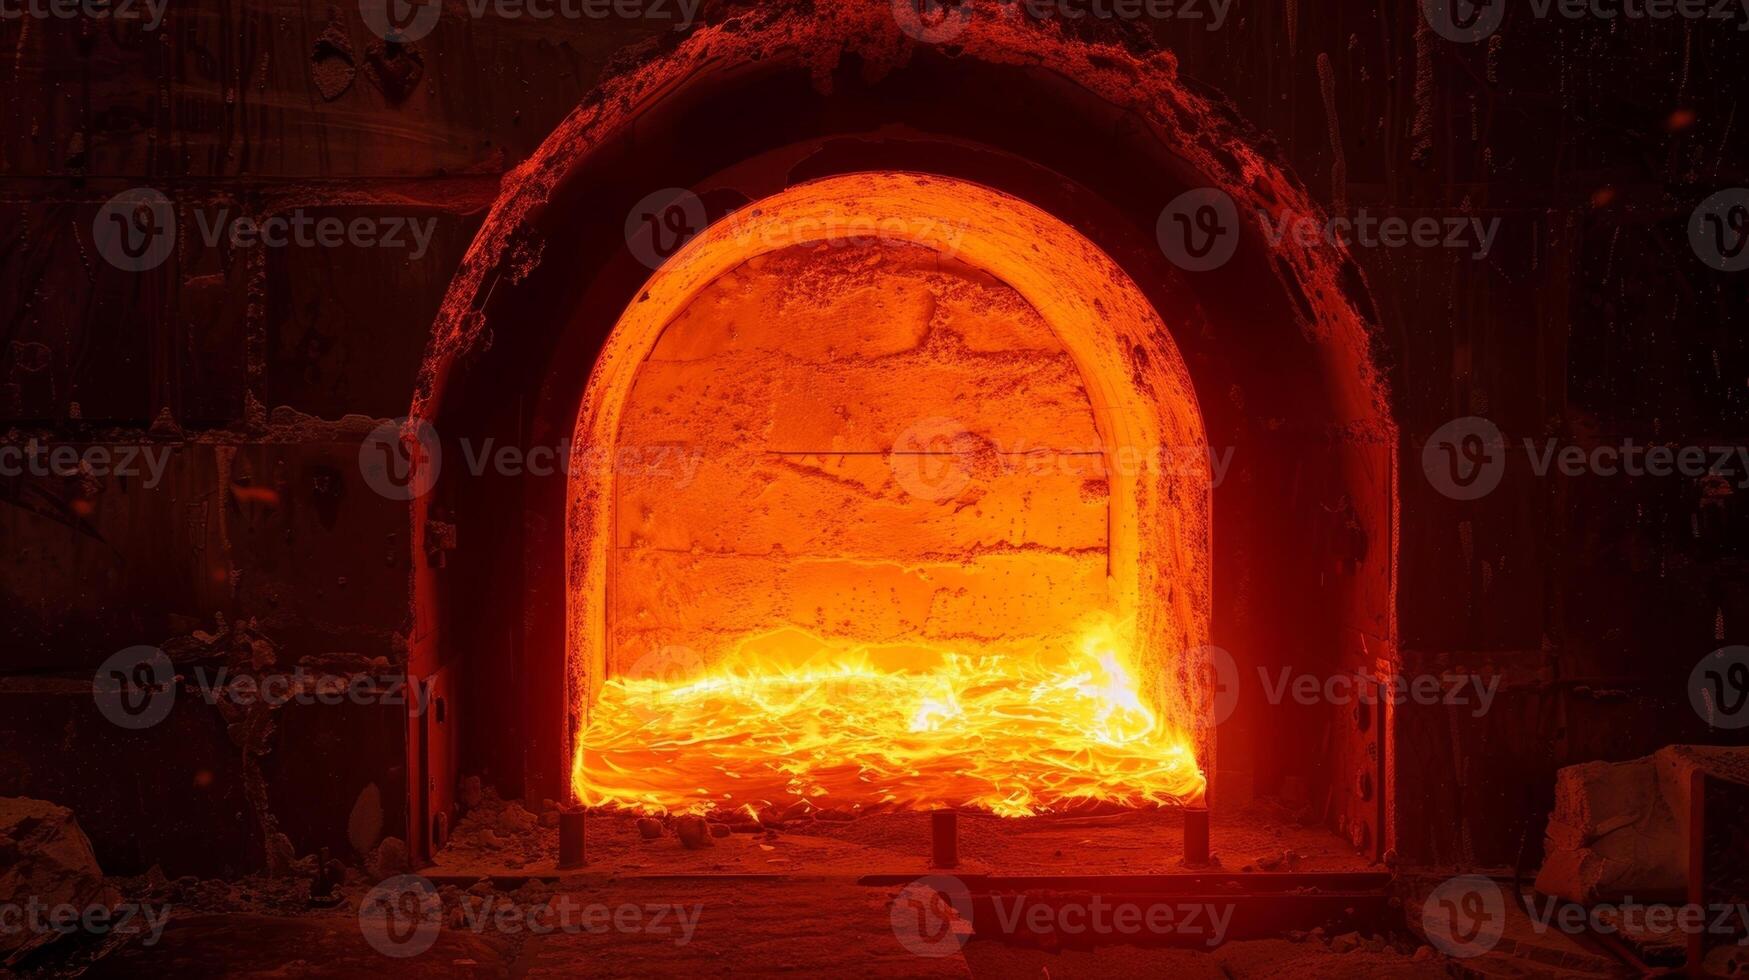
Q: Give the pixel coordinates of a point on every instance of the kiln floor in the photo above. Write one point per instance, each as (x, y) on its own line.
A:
(1257, 837)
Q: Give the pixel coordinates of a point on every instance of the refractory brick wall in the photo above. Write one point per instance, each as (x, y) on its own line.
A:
(759, 495)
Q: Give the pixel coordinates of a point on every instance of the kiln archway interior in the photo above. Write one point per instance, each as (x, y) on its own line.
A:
(1018, 278)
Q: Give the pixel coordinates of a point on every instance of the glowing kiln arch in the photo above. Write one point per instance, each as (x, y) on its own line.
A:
(1291, 361)
(1144, 407)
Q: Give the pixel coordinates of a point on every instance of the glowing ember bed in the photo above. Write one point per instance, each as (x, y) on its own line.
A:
(1011, 735)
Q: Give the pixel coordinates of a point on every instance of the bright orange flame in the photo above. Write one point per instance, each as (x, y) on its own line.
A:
(1015, 735)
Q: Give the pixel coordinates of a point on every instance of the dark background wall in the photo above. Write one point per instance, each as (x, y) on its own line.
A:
(1591, 321)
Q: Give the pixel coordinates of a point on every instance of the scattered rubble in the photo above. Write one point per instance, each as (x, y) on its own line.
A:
(694, 832)
(514, 820)
(1285, 861)
(391, 858)
(44, 855)
(505, 828)
(1618, 829)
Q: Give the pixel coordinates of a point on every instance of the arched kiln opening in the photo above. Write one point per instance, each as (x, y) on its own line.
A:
(1287, 369)
(898, 461)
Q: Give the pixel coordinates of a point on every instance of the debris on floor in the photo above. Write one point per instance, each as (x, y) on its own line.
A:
(44, 855)
(1618, 830)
